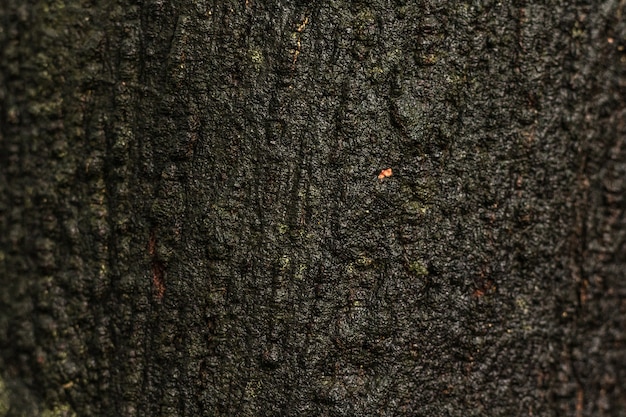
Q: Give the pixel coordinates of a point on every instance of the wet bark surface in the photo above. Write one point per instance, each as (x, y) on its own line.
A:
(193, 221)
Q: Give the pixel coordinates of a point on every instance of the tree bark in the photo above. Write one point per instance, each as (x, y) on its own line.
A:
(193, 221)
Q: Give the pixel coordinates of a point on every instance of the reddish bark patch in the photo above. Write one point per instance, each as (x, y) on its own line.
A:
(157, 266)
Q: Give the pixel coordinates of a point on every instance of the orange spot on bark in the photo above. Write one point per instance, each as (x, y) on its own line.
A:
(385, 173)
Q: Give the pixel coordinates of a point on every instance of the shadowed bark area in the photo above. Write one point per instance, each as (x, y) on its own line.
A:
(192, 221)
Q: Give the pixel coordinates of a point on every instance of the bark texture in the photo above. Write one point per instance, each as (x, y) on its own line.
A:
(192, 223)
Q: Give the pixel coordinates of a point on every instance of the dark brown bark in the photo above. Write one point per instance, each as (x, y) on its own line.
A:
(192, 220)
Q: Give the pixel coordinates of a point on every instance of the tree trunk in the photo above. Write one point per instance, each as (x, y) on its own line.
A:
(312, 208)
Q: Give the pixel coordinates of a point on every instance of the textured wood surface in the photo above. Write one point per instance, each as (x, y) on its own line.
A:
(195, 219)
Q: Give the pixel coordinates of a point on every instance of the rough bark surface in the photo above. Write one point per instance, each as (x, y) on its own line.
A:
(191, 222)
